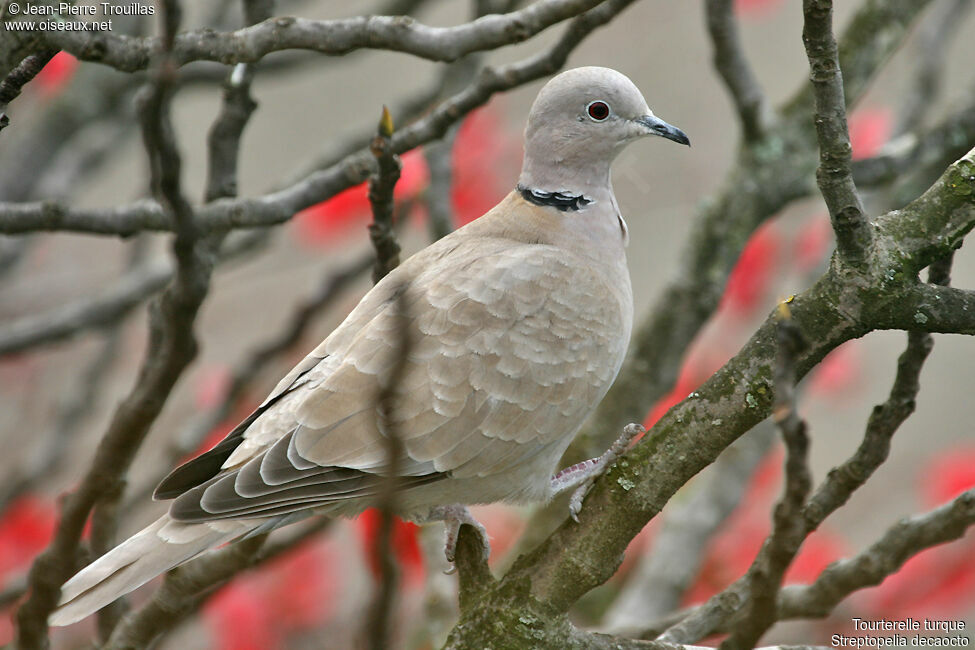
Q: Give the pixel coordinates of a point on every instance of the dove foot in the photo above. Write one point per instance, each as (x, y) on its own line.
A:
(454, 516)
(582, 475)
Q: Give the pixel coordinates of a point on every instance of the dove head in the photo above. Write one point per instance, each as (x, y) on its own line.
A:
(578, 124)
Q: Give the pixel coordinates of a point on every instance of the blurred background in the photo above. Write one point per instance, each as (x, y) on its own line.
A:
(75, 137)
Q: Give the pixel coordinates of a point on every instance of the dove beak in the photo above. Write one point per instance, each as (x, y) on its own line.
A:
(656, 126)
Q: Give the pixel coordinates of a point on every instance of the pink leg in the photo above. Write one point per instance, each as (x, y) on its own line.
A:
(582, 475)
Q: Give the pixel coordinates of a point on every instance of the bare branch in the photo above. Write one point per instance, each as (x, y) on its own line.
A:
(104, 308)
(333, 37)
(935, 224)
(886, 556)
(833, 176)
(730, 62)
(107, 306)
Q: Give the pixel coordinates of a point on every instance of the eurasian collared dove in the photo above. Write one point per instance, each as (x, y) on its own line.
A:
(517, 322)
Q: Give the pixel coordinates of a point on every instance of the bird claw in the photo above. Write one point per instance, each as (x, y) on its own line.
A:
(582, 475)
(454, 516)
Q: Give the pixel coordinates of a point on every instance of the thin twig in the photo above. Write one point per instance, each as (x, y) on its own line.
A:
(20, 76)
(934, 39)
(381, 186)
(730, 62)
(834, 174)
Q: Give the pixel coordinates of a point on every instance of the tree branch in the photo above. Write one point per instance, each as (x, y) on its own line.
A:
(19, 77)
(663, 574)
(278, 207)
(381, 186)
(332, 37)
(764, 576)
(172, 347)
(730, 62)
(767, 176)
(883, 558)
(833, 176)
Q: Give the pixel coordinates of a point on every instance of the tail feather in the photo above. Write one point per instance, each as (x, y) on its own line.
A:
(155, 549)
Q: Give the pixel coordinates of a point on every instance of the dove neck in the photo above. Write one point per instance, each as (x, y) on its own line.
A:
(586, 178)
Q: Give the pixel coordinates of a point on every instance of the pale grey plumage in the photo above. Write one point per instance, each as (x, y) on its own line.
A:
(518, 325)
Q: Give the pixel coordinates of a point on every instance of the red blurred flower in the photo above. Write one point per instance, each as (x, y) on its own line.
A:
(260, 609)
(749, 280)
(870, 128)
(948, 475)
(405, 544)
(56, 74)
(754, 8)
(349, 210)
(480, 148)
(25, 529)
(240, 619)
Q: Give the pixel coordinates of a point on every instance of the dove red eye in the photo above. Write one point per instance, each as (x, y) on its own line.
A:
(598, 111)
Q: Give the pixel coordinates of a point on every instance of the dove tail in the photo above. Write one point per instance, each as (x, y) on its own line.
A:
(155, 549)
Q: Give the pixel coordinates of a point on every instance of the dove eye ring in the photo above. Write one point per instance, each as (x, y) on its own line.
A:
(598, 111)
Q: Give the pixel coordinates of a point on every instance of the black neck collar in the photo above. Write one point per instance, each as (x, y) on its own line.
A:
(561, 201)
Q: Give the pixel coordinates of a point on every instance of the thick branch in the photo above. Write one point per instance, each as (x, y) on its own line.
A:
(334, 37)
(935, 224)
(664, 573)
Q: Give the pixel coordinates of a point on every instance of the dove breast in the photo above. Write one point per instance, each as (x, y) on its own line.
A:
(514, 337)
